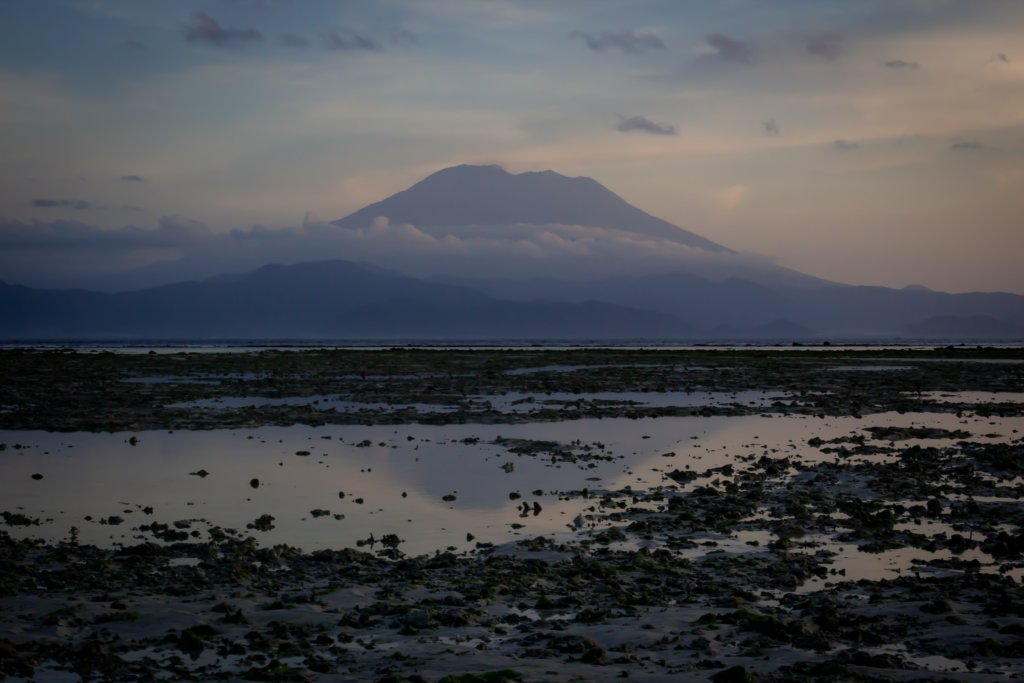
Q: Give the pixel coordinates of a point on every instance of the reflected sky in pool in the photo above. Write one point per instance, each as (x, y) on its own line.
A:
(402, 474)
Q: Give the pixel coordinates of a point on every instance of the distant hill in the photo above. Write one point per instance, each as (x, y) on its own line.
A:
(511, 320)
(741, 308)
(960, 327)
(347, 300)
(489, 195)
(329, 299)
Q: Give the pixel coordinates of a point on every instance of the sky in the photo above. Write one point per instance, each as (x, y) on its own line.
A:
(864, 141)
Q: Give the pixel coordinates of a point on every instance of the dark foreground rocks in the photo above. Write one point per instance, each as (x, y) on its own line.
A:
(105, 391)
(535, 611)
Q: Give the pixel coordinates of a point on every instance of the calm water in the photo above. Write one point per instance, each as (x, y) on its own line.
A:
(395, 480)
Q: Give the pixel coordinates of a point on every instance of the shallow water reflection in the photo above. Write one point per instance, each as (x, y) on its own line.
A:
(382, 479)
(435, 487)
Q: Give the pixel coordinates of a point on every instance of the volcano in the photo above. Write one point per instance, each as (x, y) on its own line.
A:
(467, 195)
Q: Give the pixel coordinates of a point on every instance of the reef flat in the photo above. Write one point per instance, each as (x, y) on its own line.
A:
(664, 515)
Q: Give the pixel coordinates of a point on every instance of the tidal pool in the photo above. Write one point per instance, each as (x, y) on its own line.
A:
(435, 487)
(382, 479)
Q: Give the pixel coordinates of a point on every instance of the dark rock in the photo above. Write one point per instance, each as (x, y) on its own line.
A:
(734, 674)
(262, 523)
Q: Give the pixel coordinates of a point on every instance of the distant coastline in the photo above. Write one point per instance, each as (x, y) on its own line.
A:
(252, 345)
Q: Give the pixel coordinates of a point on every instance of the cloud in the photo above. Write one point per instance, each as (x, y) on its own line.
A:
(248, 4)
(61, 204)
(69, 235)
(827, 45)
(261, 5)
(628, 41)
(133, 45)
(348, 41)
(181, 249)
(132, 179)
(900, 64)
(292, 40)
(729, 49)
(492, 251)
(845, 145)
(184, 230)
(70, 253)
(403, 36)
(969, 145)
(771, 127)
(205, 29)
(645, 125)
(1005, 175)
(730, 197)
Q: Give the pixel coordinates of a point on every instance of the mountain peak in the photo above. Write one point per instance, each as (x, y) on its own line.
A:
(489, 195)
(469, 170)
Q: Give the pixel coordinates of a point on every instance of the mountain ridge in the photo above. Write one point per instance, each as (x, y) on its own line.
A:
(350, 300)
(323, 299)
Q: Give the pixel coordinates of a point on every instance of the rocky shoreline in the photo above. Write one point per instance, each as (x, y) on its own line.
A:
(64, 390)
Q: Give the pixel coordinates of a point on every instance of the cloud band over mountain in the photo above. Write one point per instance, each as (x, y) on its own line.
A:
(181, 249)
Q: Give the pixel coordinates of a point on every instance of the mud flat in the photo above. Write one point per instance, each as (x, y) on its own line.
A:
(524, 515)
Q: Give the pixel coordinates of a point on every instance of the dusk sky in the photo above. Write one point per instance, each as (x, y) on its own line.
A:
(868, 141)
